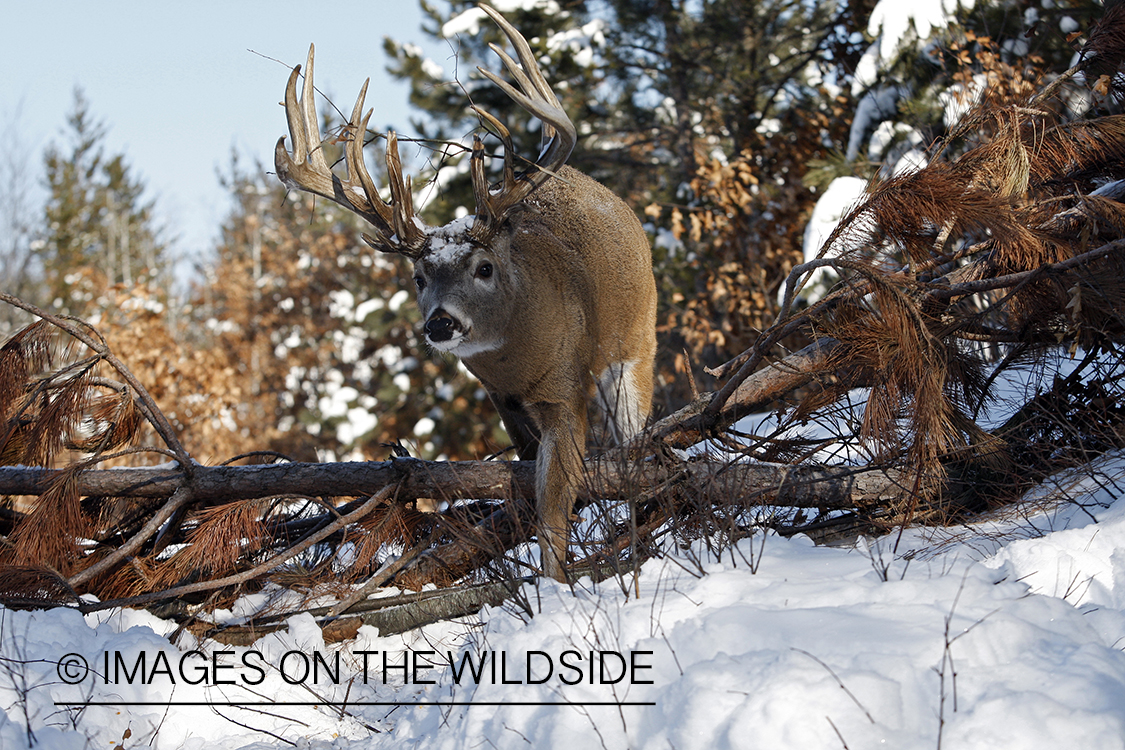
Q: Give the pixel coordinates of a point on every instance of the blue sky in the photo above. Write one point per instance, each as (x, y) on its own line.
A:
(181, 84)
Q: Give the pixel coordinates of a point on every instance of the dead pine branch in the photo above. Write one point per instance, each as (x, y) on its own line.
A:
(748, 391)
(1007, 250)
(256, 571)
(88, 336)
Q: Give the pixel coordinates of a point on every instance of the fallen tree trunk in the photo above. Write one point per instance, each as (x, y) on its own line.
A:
(209, 484)
(738, 484)
(391, 615)
(804, 486)
(698, 420)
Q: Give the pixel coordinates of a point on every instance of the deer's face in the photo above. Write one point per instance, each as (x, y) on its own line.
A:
(464, 290)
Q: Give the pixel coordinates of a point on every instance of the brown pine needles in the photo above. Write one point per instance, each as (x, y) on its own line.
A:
(1006, 250)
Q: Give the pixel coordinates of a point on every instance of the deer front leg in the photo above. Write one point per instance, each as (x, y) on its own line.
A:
(519, 424)
(558, 471)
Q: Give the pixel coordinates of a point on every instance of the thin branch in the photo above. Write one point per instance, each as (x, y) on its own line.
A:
(247, 575)
(179, 499)
(152, 412)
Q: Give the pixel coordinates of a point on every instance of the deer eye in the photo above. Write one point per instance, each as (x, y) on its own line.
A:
(485, 271)
(420, 283)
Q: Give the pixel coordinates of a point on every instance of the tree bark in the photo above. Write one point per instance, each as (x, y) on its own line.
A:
(391, 615)
(695, 422)
(804, 486)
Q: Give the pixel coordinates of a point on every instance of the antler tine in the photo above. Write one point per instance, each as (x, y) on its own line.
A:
(308, 170)
(353, 154)
(502, 133)
(533, 83)
(488, 213)
(534, 95)
(409, 234)
(476, 172)
(396, 221)
(308, 115)
(357, 169)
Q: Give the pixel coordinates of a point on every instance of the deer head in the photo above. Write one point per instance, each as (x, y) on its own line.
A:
(546, 293)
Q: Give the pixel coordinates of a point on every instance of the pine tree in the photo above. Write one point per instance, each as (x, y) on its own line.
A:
(654, 86)
(735, 100)
(922, 77)
(99, 231)
(17, 228)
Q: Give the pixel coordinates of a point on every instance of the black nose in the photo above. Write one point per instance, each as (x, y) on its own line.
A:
(441, 326)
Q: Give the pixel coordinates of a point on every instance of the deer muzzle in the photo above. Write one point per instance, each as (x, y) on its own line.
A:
(442, 326)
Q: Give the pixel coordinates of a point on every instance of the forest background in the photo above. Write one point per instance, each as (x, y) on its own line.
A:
(722, 122)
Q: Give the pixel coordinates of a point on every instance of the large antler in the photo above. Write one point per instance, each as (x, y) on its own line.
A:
(396, 228)
(534, 95)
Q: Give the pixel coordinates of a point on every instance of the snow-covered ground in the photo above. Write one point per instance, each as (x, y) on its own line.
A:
(1006, 634)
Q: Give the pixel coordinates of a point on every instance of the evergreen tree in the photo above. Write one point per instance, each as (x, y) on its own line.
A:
(733, 100)
(17, 228)
(99, 231)
(922, 72)
(926, 74)
(654, 86)
(693, 77)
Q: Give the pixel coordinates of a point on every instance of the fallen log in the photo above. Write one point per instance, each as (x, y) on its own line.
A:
(699, 420)
(734, 483)
(390, 615)
(803, 485)
(437, 479)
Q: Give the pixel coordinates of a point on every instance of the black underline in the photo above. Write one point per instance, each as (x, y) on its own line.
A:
(339, 704)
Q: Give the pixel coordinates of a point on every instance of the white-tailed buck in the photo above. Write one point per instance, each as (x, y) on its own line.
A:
(546, 294)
